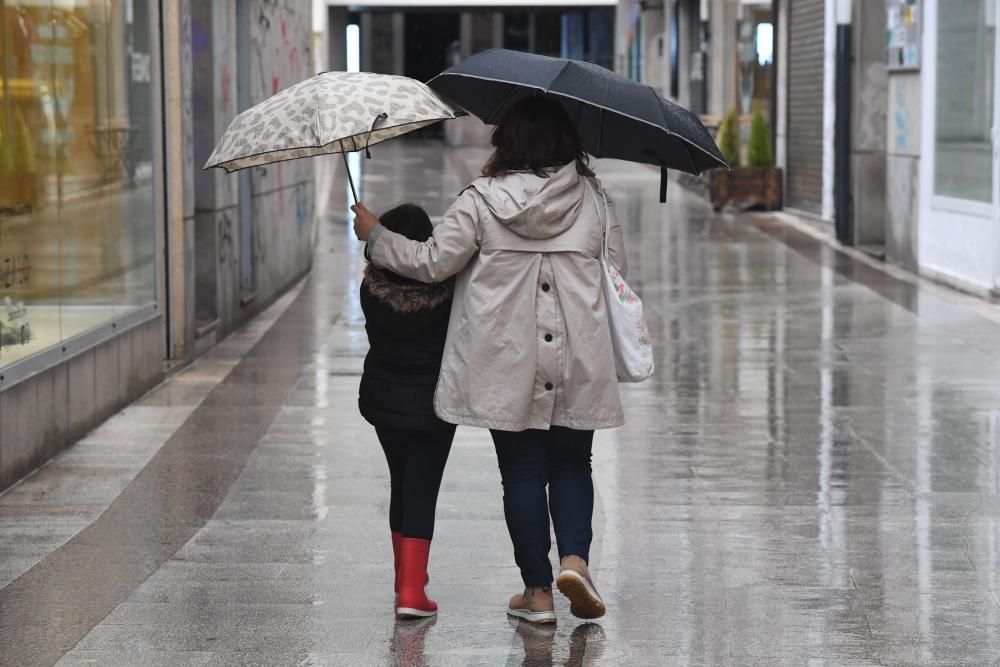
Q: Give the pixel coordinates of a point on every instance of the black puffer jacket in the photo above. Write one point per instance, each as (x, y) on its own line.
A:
(407, 322)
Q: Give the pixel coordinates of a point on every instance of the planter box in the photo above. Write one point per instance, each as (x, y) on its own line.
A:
(747, 187)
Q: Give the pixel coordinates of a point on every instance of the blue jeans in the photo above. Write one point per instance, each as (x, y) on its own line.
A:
(529, 462)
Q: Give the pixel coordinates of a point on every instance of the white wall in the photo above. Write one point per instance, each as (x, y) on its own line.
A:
(829, 105)
(781, 61)
(622, 13)
(959, 240)
(655, 63)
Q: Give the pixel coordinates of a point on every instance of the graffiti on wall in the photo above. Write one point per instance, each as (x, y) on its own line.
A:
(187, 105)
(301, 206)
(280, 57)
(280, 25)
(225, 245)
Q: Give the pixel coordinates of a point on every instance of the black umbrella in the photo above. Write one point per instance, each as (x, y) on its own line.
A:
(616, 117)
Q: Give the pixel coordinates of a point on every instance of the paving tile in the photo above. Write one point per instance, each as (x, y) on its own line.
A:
(112, 658)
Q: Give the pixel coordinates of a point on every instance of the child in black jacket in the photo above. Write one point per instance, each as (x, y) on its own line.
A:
(407, 323)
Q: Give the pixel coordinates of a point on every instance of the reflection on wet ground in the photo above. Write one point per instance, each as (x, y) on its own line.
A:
(810, 477)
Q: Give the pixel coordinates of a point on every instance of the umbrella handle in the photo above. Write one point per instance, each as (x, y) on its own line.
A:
(350, 180)
(381, 116)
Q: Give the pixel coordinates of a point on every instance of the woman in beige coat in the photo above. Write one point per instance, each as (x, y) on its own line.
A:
(528, 353)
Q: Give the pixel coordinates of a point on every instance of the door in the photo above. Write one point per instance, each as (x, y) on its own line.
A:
(248, 278)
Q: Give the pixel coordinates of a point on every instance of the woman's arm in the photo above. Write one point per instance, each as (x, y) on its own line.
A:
(452, 245)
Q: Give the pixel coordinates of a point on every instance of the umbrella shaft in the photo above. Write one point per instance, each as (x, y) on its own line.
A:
(350, 180)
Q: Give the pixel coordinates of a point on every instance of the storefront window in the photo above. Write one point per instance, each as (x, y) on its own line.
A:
(77, 244)
(963, 165)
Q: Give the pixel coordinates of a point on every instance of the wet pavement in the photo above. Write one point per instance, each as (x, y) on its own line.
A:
(810, 478)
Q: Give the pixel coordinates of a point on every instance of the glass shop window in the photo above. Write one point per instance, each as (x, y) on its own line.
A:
(77, 244)
(966, 42)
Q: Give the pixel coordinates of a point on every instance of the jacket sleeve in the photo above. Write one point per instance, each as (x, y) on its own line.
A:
(454, 242)
(616, 240)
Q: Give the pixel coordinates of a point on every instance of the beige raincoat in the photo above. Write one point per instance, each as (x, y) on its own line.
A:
(528, 342)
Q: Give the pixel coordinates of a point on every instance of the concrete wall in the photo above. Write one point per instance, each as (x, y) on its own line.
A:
(47, 412)
(657, 52)
(902, 177)
(868, 123)
(280, 38)
(622, 27)
(336, 36)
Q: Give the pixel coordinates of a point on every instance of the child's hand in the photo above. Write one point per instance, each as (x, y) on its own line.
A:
(364, 221)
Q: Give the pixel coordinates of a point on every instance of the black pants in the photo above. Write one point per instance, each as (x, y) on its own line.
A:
(416, 464)
(531, 461)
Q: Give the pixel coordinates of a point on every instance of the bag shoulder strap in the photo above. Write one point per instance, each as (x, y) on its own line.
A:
(595, 190)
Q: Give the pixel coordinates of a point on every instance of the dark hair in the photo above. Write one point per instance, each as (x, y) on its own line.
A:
(536, 134)
(409, 220)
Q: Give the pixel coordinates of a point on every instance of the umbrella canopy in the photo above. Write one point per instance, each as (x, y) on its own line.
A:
(616, 117)
(333, 112)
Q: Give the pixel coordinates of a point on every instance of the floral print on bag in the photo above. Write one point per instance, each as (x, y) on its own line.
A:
(630, 339)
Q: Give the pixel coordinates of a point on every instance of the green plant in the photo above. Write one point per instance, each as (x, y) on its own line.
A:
(759, 152)
(729, 138)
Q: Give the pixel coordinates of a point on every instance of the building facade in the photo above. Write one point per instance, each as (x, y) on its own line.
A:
(922, 187)
(117, 254)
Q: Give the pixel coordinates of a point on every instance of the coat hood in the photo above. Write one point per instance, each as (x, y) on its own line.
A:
(532, 206)
(407, 297)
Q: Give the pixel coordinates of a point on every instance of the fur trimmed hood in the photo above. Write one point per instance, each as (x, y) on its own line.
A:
(407, 297)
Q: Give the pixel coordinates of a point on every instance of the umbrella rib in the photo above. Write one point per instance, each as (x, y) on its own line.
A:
(663, 114)
(316, 119)
(517, 86)
(499, 107)
(562, 70)
(600, 133)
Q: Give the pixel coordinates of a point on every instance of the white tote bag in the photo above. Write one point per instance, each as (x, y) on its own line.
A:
(629, 333)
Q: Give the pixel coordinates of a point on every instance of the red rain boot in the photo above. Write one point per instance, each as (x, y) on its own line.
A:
(412, 601)
(396, 537)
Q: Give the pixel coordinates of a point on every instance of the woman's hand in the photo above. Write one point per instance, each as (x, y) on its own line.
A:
(364, 221)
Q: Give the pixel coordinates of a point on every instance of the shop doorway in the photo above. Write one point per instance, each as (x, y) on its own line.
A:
(428, 38)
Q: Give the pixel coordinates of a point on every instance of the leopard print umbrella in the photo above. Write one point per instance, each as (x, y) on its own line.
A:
(333, 112)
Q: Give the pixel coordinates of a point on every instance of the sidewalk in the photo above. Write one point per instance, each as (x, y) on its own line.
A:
(811, 475)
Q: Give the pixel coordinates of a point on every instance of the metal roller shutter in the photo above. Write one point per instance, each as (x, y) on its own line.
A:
(805, 105)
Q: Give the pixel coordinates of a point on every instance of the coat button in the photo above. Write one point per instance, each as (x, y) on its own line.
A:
(548, 338)
(545, 287)
(548, 386)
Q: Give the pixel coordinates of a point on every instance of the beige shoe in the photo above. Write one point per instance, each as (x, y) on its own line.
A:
(575, 583)
(534, 604)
